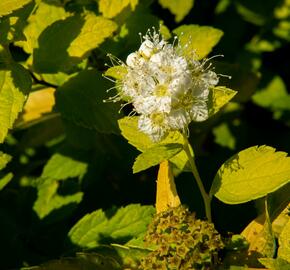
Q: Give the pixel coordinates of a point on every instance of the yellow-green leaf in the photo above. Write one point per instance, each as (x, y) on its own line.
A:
(219, 97)
(4, 160)
(5, 180)
(76, 36)
(179, 8)
(49, 199)
(251, 174)
(129, 130)
(155, 155)
(111, 8)
(14, 85)
(116, 72)
(198, 39)
(42, 17)
(7, 6)
(275, 264)
(94, 31)
(284, 243)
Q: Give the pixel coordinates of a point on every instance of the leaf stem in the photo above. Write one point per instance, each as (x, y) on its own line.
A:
(205, 196)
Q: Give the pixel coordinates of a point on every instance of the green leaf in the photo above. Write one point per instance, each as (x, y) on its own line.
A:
(49, 200)
(154, 155)
(61, 167)
(7, 6)
(273, 96)
(179, 8)
(96, 228)
(251, 174)
(219, 97)
(275, 264)
(284, 243)
(15, 83)
(80, 100)
(11, 26)
(198, 39)
(116, 72)
(224, 136)
(130, 131)
(77, 36)
(5, 180)
(4, 160)
(45, 15)
(111, 8)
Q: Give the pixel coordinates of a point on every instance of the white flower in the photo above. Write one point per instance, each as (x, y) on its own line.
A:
(167, 89)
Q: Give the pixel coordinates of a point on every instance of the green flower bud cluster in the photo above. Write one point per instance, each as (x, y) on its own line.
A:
(182, 242)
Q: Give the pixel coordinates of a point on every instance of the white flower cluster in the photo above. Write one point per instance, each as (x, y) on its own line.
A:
(166, 89)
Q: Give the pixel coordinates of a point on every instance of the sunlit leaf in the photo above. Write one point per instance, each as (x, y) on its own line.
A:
(61, 167)
(116, 72)
(275, 264)
(251, 174)
(49, 200)
(77, 36)
(94, 31)
(42, 17)
(11, 26)
(130, 131)
(284, 243)
(96, 228)
(4, 160)
(38, 103)
(273, 96)
(179, 8)
(111, 8)
(198, 39)
(219, 97)
(155, 155)
(5, 180)
(15, 83)
(7, 6)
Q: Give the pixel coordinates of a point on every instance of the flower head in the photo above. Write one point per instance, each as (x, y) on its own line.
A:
(166, 88)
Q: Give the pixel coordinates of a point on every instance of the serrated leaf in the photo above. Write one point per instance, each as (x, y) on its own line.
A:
(275, 264)
(155, 155)
(80, 100)
(116, 72)
(96, 228)
(166, 194)
(77, 36)
(251, 174)
(61, 167)
(43, 16)
(15, 83)
(49, 200)
(219, 97)
(179, 8)
(284, 243)
(198, 39)
(7, 6)
(130, 131)
(111, 8)
(94, 31)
